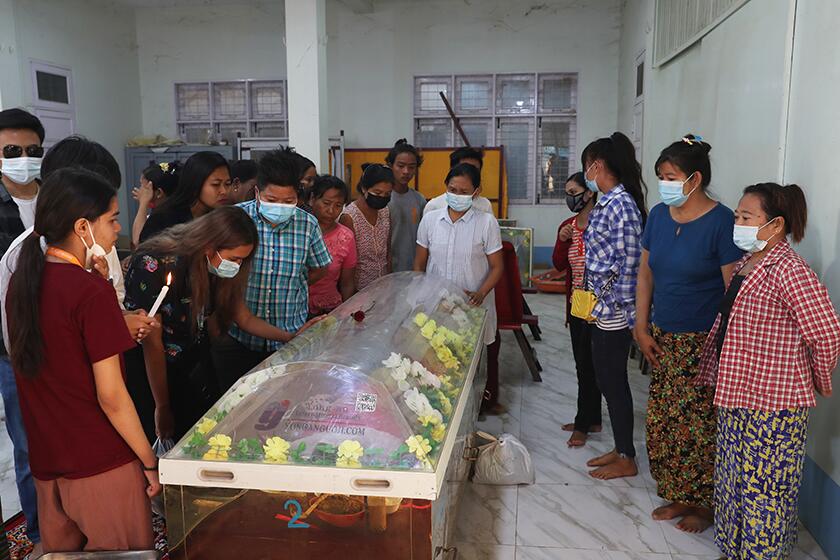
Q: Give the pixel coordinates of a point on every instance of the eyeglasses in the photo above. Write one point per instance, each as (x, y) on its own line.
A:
(12, 151)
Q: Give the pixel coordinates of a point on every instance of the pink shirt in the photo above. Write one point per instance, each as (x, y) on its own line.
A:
(323, 294)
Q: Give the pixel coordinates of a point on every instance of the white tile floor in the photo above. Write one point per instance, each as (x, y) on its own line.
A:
(566, 515)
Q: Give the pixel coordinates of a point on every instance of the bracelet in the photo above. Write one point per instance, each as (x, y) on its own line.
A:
(147, 469)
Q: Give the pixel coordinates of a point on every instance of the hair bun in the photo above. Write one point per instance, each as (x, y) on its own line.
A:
(696, 140)
(365, 166)
(400, 142)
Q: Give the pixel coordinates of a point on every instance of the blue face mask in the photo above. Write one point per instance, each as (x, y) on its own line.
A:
(277, 213)
(671, 192)
(226, 268)
(459, 202)
(591, 184)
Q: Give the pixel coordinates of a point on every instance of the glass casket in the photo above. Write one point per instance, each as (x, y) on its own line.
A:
(347, 441)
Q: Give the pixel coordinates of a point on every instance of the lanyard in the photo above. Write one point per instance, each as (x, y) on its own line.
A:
(63, 255)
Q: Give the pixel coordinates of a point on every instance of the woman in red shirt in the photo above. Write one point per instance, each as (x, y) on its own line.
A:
(93, 467)
(775, 341)
(569, 256)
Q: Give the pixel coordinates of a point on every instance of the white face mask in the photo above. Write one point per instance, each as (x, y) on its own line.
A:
(746, 238)
(21, 170)
(95, 250)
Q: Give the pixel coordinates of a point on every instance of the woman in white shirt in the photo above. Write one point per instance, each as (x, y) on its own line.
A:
(465, 246)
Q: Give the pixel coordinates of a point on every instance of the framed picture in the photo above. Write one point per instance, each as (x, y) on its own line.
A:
(522, 240)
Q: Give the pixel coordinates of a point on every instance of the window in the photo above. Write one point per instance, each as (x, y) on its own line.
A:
(534, 116)
(680, 24)
(250, 108)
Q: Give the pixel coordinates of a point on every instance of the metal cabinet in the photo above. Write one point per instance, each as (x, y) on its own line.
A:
(138, 159)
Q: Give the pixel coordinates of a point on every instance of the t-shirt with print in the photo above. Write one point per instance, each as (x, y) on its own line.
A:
(81, 324)
(341, 244)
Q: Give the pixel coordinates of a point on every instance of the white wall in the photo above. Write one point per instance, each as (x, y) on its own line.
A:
(10, 89)
(95, 39)
(811, 162)
(373, 58)
(204, 43)
(636, 36)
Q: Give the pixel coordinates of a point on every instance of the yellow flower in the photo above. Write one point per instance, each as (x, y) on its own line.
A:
(164, 166)
(445, 404)
(418, 445)
(438, 432)
(420, 319)
(219, 447)
(428, 330)
(347, 462)
(438, 340)
(276, 450)
(350, 450)
(426, 420)
(205, 425)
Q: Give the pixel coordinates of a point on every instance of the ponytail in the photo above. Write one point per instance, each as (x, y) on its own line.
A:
(66, 196)
(27, 345)
(787, 202)
(619, 155)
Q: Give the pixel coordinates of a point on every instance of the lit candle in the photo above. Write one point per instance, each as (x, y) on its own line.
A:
(161, 296)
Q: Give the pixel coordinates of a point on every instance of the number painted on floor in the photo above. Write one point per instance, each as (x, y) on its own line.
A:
(295, 513)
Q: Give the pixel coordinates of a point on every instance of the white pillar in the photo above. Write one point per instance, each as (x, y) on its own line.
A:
(306, 74)
(11, 92)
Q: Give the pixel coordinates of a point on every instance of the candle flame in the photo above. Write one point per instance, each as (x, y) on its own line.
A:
(169, 279)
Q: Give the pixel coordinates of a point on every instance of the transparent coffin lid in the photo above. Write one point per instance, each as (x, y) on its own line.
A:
(372, 386)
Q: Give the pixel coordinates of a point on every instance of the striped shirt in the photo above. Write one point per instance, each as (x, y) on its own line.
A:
(577, 256)
(278, 290)
(613, 252)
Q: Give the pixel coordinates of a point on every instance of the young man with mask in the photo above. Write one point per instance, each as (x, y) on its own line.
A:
(474, 157)
(291, 256)
(21, 136)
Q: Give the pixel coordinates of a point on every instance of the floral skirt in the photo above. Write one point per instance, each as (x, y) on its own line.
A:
(758, 474)
(681, 422)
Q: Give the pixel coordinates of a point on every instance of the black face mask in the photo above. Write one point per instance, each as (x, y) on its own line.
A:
(377, 202)
(575, 202)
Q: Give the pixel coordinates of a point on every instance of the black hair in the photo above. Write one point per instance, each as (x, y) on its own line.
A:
(619, 155)
(18, 119)
(373, 174)
(403, 147)
(690, 155)
(467, 170)
(466, 153)
(67, 195)
(324, 183)
(786, 201)
(281, 168)
(304, 163)
(192, 176)
(578, 178)
(80, 152)
(244, 170)
(167, 180)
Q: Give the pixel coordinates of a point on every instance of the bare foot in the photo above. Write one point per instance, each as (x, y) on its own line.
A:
(619, 468)
(604, 459)
(694, 524)
(569, 427)
(671, 511)
(595, 429)
(577, 439)
(37, 552)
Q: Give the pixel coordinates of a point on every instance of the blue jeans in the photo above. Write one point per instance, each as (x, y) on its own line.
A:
(17, 433)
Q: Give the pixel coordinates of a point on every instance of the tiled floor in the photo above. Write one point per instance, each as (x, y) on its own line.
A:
(566, 515)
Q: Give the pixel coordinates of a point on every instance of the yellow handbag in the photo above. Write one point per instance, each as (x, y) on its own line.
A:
(583, 302)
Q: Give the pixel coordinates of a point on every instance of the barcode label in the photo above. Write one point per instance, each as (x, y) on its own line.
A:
(365, 402)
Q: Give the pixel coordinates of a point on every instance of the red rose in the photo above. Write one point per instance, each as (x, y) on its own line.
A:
(359, 316)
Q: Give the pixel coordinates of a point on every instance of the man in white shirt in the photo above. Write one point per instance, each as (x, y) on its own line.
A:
(474, 157)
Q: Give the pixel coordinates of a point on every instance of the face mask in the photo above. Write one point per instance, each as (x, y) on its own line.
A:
(22, 170)
(377, 202)
(575, 202)
(592, 185)
(277, 213)
(671, 192)
(459, 202)
(746, 238)
(95, 250)
(226, 268)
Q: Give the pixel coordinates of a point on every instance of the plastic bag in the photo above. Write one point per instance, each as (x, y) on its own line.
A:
(161, 447)
(504, 460)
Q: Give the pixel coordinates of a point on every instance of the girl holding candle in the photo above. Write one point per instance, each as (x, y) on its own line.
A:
(207, 261)
(68, 334)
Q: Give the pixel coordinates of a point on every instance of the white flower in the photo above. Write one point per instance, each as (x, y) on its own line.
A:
(403, 385)
(393, 360)
(426, 377)
(418, 403)
(406, 364)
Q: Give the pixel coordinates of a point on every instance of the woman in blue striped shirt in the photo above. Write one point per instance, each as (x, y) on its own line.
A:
(613, 251)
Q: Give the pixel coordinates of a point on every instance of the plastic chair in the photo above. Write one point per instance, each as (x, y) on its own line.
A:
(509, 308)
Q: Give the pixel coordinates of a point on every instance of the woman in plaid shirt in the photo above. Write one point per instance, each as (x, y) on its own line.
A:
(775, 341)
(613, 251)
